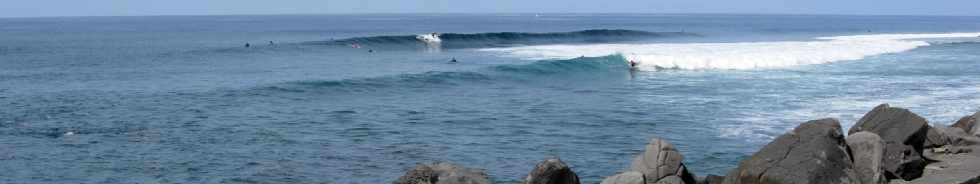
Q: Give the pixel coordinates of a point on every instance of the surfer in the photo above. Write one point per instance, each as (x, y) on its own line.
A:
(453, 60)
(271, 43)
(247, 45)
(633, 63)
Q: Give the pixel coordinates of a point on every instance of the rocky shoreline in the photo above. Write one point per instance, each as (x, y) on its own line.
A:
(887, 145)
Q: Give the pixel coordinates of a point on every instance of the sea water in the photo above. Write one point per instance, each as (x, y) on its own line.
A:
(357, 99)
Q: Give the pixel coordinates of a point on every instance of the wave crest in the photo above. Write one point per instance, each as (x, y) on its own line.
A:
(744, 55)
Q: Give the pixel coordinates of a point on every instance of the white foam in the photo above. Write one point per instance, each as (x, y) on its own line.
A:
(742, 55)
(940, 106)
(902, 36)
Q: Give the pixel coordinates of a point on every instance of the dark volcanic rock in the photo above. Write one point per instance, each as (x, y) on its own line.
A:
(443, 173)
(630, 177)
(551, 171)
(661, 160)
(969, 124)
(814, 152)
(904, 134)
(868, 152)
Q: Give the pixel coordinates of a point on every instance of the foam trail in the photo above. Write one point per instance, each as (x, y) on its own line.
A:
(743, 55)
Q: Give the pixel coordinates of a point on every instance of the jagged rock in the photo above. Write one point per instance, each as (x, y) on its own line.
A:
(814, 152)
(443, 173)
(551, 171)
(713, 179)
(630, 177)
(867, 150)
(904, 134)
(969, 124)
(661, 160)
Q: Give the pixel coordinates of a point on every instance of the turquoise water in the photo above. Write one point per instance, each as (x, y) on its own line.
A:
(179, 99)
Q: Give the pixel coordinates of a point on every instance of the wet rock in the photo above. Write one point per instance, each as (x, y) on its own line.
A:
(443, 173)
(904, 134)
(867, 150)
(551, 171)
(630, 177)
(969, 124)
(661, 160)
(814, 152)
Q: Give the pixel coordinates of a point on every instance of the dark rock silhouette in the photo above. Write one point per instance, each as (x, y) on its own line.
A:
(551, 171)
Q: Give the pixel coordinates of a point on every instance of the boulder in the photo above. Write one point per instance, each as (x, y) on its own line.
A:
(443, 173)
(904, 134)
(969, 124)
(661, 160)
(630, 177)
(551, 171)
(868, 152)
(813, 152)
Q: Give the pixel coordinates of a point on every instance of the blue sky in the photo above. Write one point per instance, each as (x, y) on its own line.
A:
(34, 8)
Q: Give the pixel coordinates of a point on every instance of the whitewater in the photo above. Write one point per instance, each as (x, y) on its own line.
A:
(740, 55)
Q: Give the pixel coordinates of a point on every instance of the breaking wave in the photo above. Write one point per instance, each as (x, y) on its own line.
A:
(743, 55)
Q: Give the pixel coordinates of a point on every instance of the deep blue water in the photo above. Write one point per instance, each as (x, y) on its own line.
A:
(179, 99)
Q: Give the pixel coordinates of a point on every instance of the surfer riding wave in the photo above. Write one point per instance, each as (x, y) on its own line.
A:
(431, 38)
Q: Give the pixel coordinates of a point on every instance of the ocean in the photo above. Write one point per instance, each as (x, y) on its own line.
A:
(358, 99)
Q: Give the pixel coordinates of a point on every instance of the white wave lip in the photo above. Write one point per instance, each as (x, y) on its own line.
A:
(743, 55)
